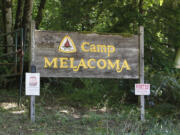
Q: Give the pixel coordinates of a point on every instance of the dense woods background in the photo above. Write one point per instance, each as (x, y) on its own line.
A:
(161, 19)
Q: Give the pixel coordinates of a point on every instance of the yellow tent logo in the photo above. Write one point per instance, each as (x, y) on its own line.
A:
(67, 45)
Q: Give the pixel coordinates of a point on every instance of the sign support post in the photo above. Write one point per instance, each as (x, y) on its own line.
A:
(33, 70)
(32, 90)
(142, 100)
(32, 98)
(92, 55)
(32, 112)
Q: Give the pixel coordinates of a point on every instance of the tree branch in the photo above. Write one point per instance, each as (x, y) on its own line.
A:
(40, 13)
(19, 14)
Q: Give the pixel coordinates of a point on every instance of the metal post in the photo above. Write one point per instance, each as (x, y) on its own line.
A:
(32, 104)
(142, 100)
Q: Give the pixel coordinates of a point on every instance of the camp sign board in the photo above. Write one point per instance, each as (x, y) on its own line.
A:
(73, 54)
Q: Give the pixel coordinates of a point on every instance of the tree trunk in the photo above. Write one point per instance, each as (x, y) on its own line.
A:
(1, 16)
(135, 8)
(3, 25)
(141, 12)
(172, 22)
(40, 13)
(134, 3)
(8, 22)
(27, 18)
(19, 14)
(141, 6)
(177, 60)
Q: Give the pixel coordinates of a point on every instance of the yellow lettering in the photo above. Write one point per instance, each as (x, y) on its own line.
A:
(83, 46)
(89, 63)
(63, 62)
(81, 64)
(92, 48)
(47, 63)
(101, 66)
(112, 65)
(111, 49)
(125, 65)
(72, 63)
(87, 47)
(101, 48)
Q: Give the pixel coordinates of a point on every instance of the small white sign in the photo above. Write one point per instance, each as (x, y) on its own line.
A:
(33, 84)
(142, 89)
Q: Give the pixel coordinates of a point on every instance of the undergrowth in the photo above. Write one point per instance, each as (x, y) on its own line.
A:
(64, 115)
(59, 119)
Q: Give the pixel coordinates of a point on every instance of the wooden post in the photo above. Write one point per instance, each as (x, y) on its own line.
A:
(33, 70)
(32, 102)
(32, 112)
(142, 100)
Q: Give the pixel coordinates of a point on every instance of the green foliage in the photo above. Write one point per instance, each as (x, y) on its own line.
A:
(1, 23)
(161, 19)
(163, 109)
(90, 94)
(62, 119)
(52, 19)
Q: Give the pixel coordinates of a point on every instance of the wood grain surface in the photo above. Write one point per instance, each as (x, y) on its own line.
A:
(46, 44)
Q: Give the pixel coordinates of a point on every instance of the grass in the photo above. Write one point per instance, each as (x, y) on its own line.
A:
(65, 120)
(59, 119)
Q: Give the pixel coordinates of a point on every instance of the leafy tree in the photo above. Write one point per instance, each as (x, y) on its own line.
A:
(161, 19)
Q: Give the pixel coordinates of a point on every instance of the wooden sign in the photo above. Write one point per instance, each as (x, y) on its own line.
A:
(72, 54)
